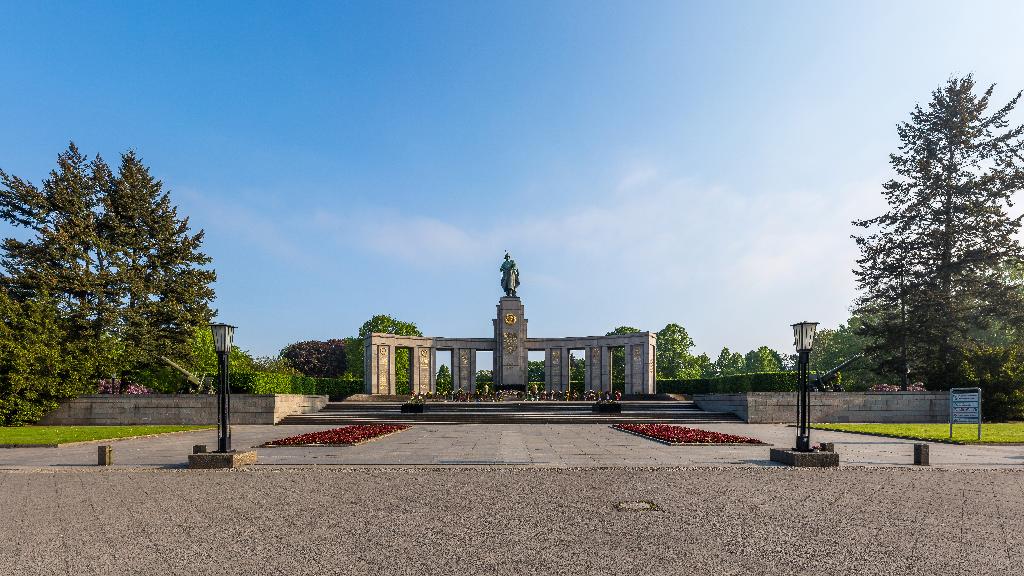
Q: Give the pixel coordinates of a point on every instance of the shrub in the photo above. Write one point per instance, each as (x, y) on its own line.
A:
(999, 372)
(270, 383)
(320, 359)
(735, 384)
(39, 365)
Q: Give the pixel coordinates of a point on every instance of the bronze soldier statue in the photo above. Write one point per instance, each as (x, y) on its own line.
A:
(509, 276)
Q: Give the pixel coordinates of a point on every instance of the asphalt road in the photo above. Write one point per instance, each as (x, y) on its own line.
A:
(501, 520)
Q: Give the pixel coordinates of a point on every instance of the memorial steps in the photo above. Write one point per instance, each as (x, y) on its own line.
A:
(542, 412)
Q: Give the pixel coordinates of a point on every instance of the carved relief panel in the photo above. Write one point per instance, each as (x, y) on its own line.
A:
(424, 370)
(383, 370)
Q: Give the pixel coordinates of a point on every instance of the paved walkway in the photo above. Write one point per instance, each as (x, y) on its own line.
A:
(564, 445)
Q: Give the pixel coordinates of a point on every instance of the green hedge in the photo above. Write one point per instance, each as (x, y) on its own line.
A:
(269, 383)
(753, 382)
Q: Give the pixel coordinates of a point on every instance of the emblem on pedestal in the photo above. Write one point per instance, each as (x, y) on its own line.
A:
(510, 319)
(511, 342)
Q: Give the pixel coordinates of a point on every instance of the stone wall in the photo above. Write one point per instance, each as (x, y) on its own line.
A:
(881, 407)
(185, 409)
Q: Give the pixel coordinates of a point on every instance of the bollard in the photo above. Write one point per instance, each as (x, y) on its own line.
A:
(199, 448)
(105, 456)
(921, 455)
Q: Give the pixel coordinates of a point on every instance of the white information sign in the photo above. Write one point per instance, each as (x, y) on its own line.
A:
(965, 408)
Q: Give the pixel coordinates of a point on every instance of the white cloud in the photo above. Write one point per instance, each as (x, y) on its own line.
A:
(735, 267)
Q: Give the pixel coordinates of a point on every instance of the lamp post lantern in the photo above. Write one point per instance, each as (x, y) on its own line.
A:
(803, 340)
(223, 338)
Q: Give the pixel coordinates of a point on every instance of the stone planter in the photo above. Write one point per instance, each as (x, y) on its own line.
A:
(412, 408)
(612, 408)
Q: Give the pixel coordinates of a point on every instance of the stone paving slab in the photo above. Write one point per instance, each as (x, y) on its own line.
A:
(563, 445)
(503, 521)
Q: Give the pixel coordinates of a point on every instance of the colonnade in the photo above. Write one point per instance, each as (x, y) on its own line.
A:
(639, 358)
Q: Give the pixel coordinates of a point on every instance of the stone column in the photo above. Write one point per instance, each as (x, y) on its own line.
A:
(380, 368)
(414, 370)
(465, 381)
(552, 368)
(563, 374)
(472, 371)
(421, 363)
(433, 370)
(628, 364)
(593, 373)
(606, 369)
(645, 356)
(456, 370)
(392, 369)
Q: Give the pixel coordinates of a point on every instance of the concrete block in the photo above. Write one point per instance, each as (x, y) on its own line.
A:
(805, 459)
(921, 455)
(211, 460)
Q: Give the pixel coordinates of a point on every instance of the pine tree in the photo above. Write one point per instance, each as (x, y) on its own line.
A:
(933, 268)
(127, 276)
(66, 256)
(165, 289)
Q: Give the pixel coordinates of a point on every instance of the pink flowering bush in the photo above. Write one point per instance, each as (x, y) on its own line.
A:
(118, 386)
(672, 434)
(344, 436)
(915, 387)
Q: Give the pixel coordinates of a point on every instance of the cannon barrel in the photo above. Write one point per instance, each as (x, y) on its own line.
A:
(828, 376)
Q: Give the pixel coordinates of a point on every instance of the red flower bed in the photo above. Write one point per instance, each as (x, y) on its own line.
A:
(344, 436)
(672, 434)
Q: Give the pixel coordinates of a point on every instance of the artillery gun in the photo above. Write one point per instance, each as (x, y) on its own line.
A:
(821, 382)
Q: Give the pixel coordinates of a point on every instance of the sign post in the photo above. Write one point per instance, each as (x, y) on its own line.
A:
(964, 408)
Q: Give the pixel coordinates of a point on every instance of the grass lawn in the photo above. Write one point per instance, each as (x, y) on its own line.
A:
(1001, 433)
(63, 434)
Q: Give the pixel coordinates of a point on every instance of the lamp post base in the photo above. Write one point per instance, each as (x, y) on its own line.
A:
(803, 444)
(209, 460)
(805, 459)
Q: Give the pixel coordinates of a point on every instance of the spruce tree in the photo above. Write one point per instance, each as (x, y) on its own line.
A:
(65, 255)
(160, 267)
(933, 270)
(128, 277)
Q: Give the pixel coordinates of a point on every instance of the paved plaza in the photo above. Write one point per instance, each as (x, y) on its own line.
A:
(512, 520)
(511, 499)
(557, 445)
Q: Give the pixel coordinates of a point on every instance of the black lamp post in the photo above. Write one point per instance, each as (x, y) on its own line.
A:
(803, 340)
(223, 338)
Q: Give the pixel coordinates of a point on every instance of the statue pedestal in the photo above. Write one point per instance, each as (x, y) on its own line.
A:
(510, 354)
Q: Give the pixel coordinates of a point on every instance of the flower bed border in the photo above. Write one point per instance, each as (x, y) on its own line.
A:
(670, 443)
(398, 428)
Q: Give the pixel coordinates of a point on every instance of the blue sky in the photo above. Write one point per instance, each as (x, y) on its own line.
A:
(644, 162)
